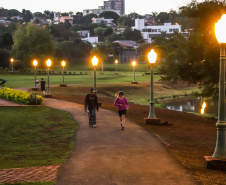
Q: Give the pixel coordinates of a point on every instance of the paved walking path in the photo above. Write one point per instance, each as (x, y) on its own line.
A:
(107, 155)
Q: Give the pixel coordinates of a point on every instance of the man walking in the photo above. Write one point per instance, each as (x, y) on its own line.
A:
(43, 85)
(92, 104)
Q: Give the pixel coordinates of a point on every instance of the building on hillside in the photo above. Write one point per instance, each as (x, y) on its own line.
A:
(92, 40)
(115, 5)
(56, 17)
(68, 19)
(84, 33)
(98, 11)
(127, 44)
(149, 32)
(107, 22)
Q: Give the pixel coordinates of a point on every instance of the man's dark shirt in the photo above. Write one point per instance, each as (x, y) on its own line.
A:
(43, 83)
(91, 102)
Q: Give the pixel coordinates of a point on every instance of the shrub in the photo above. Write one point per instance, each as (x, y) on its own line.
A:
(19, 96)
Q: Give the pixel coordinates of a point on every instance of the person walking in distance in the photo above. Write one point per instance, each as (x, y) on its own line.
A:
(43, 85)
(91, 103)
(122, 104)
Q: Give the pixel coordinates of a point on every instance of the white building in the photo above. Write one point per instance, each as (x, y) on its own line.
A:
(149, 32)
(92, 40)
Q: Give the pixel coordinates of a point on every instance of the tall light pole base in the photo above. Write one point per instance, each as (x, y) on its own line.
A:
(216, 164)
(153, 121)
(35, 89)
(48, 95)
(63, 85)
(134, 82)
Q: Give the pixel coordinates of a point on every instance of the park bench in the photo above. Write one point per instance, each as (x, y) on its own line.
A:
(2, 81)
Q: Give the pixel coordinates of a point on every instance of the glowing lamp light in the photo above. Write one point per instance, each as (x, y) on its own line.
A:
(48, 62)
(152, 56)
(116, 61)
(63, 63)
(95, 61)
(35, 63)
(134, 63)
(203, 108)
(220, 29)
(11, 60)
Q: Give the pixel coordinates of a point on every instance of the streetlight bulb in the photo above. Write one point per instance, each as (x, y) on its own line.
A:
(35, 63)
(116, 61)
(95, 61)
(220, 28)
(11, 60)
(152, 56)
(134, 63)
(48, 62)
(63, 63)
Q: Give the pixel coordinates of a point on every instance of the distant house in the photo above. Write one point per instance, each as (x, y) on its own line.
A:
(92, 40)
(149, 32)
(127, 43)
(84, 33)
(107, 22)
(68, 19)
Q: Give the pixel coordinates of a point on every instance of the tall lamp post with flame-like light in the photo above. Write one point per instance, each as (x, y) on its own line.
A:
(218, 160)
(35, 63)
(134, 65)
(152, 56)
(94, 62)
(11, 60)
(63, 64)
(116, 70)
(48, 95)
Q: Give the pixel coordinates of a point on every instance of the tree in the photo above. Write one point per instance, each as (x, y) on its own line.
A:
(162, 17)
(78, 18)
(72, 50)
(62, 32)
(110, 15)
(134, 15)
(27, 15)
(87, 19)
(32, 41)
(134, 35)
(125, 21)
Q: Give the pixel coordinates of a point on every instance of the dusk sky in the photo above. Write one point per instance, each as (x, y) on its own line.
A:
(139, 6)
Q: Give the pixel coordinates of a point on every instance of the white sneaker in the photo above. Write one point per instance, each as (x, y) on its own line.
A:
(94, 126)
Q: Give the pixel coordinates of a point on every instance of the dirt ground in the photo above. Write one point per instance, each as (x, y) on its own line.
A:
(189, 139)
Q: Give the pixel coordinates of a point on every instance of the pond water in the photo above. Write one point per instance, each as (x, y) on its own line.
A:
(192, 104)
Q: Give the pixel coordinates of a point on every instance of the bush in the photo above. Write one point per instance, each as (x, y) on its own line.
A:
(19, 96)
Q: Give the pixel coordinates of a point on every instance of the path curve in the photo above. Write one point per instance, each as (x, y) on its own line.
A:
(107, 155)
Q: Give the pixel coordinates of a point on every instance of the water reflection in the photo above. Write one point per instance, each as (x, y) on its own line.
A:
(192, 104)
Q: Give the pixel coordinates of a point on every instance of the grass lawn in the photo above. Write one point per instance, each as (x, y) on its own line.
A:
(125, 74)
(34, 136)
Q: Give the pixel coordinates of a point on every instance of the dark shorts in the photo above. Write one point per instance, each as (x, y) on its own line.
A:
(42, 88)
(122, 112)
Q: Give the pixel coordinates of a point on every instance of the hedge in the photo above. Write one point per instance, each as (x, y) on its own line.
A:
(19, 96)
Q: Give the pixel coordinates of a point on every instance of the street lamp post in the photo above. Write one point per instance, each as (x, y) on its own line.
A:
(216, 161)
(35, 63)
(152, 56)
(63, 64)
(48, 95)
(134, 65)
(11, 60)
(116, 70)
(94, 62)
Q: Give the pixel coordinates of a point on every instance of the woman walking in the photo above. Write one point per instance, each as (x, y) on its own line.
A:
(122, 104)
